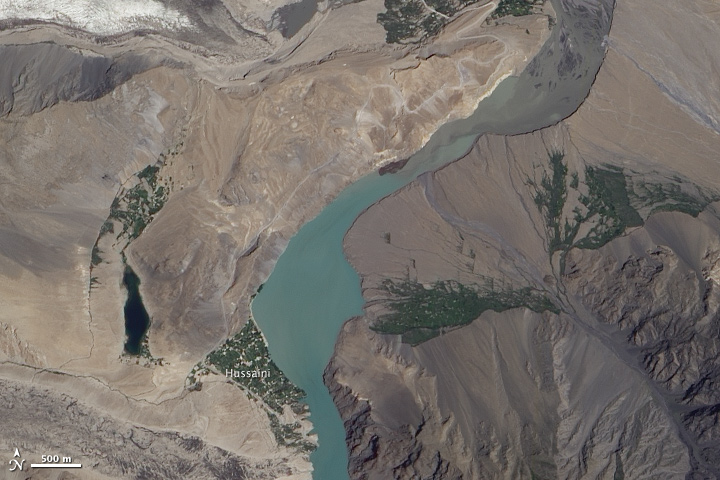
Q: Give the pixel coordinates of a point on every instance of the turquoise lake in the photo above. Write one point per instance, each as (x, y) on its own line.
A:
(313, 290)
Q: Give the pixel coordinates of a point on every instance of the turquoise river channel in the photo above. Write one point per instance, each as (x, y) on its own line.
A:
(313, 290)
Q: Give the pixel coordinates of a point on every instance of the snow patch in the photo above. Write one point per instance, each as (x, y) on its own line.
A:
(105, 17)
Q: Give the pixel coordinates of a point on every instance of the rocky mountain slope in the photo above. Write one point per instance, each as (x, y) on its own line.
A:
(192, 155)
(545, 307)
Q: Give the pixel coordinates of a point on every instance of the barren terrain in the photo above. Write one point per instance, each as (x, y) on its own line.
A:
(611, 216)
(252, 134)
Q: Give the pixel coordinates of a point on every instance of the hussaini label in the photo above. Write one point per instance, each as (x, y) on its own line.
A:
(232, 373)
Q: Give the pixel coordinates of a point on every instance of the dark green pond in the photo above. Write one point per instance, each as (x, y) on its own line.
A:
(137, 319)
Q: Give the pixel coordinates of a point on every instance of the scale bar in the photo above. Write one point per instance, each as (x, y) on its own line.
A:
(56, 465)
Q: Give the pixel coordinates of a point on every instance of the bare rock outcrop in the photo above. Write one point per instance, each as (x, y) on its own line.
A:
(119, 449)
(38, 76)
(597, 214)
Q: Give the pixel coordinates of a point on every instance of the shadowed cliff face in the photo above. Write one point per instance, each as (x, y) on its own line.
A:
(600, 216)
(622, 380)
(38, 76)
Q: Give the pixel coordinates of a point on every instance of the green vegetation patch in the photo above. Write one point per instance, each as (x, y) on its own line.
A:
(606, 208)
(550, 198)
(247, 352)
(143, 356)
(419, 313)
(671, 197)
(132, 210)
(410, 21)
(136, 208)
(95, 258)
(516, 8)
(288, 435)
(610, 200)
